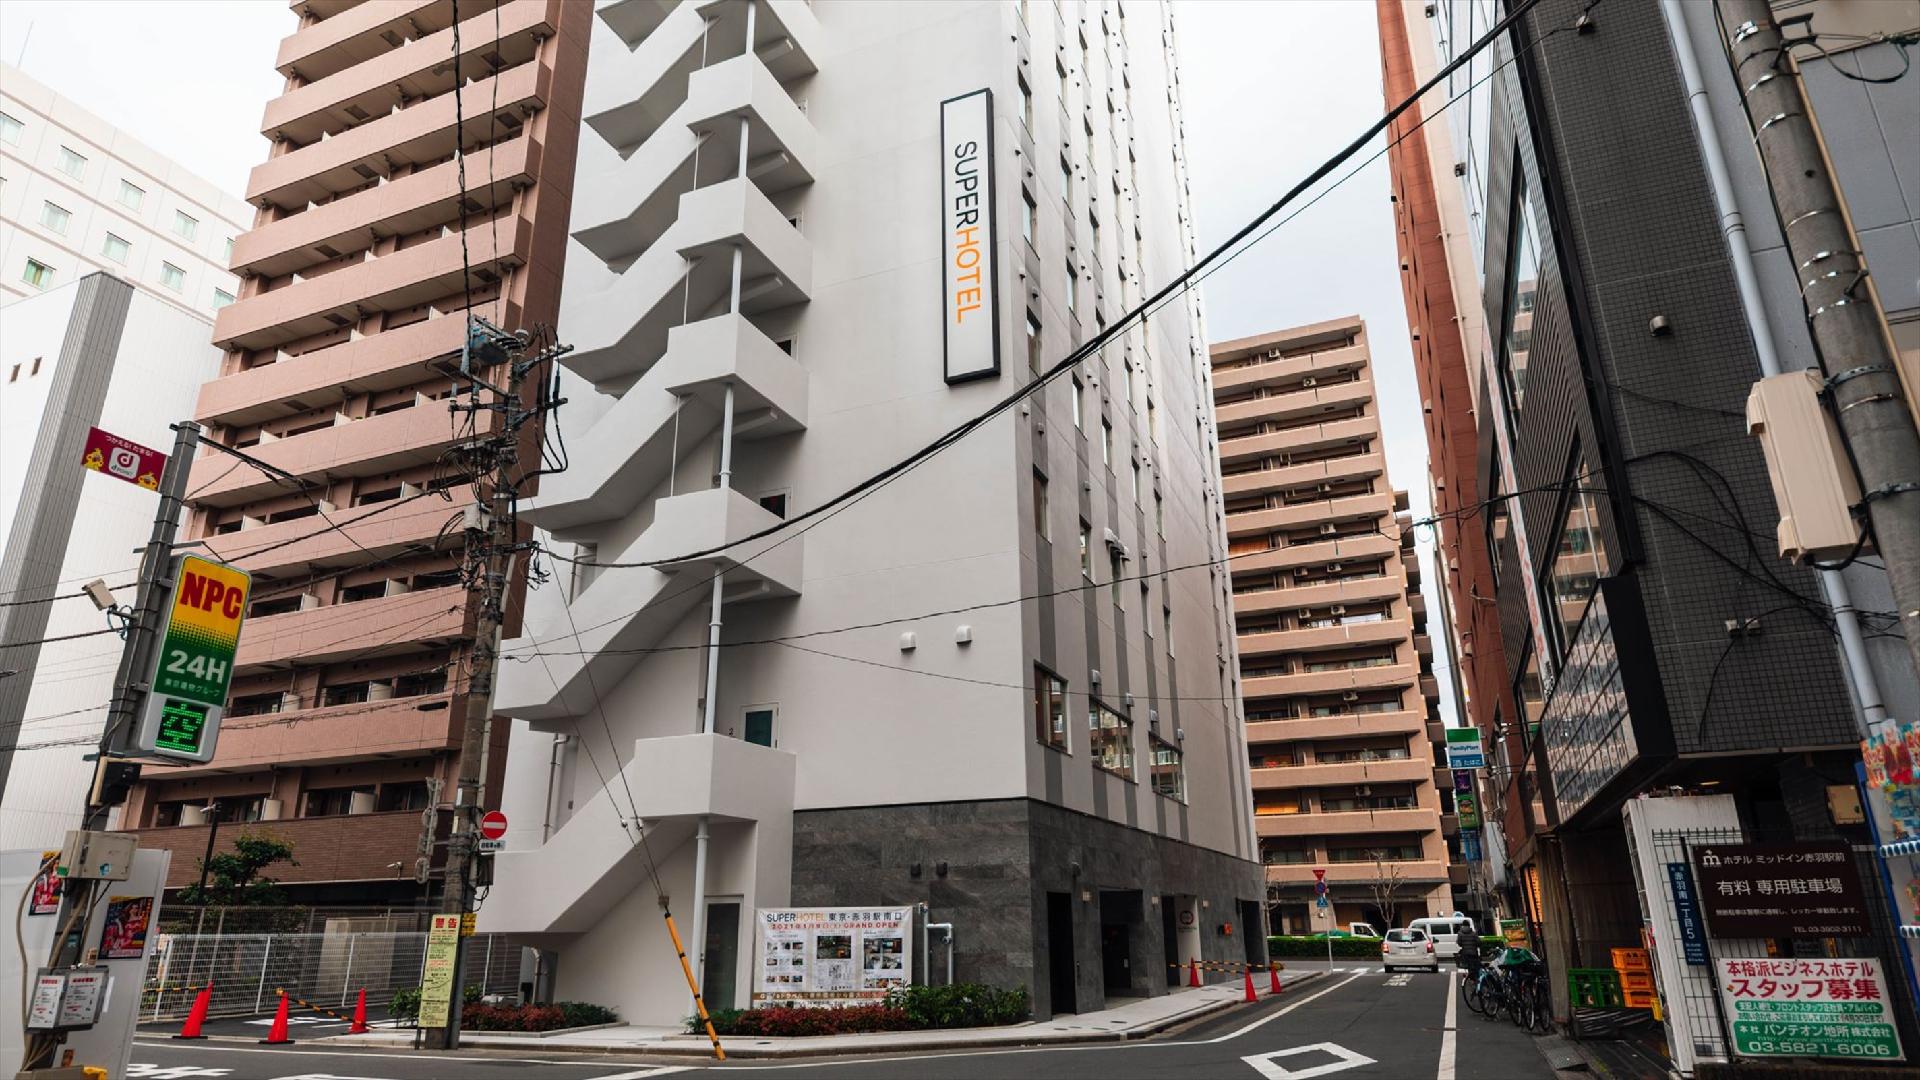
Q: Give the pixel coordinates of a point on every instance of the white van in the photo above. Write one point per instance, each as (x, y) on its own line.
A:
(1448, 933)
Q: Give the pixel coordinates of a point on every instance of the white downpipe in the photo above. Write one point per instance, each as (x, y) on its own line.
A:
(697, 947)
(1733, 227)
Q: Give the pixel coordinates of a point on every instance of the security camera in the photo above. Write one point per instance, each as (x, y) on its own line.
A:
(98, 592)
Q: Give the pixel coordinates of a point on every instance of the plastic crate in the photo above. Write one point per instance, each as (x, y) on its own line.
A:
(1631, 960)
(1594, 988)
(1632, 981)
(1642, 999)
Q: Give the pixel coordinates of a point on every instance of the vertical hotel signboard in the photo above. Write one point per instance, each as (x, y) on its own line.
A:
(193, 660)
(970, 311)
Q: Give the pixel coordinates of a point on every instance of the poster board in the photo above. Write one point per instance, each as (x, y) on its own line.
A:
(1809, 1008)
(437, 972)
(831, 956)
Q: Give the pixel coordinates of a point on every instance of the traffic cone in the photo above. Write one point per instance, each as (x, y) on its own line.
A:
(1193, 973)
(197, 1015)
(277, 1035)
(1273, 978)
(359, 1014)
(1251, 996)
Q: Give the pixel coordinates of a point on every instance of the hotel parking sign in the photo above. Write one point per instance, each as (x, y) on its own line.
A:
(193, 661)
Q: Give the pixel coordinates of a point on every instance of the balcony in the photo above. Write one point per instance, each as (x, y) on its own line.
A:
(407, 278)
(364, 447)
(413, 525)
(397, 727)
(1321, 638)
(1364, 466)
(1289, 369)
(1350, 432)
(417, 70)
(1328, 682)
(1297, 405)
(634, 204)
(1411, 770)
(294, 384)
(1348, 823)
(1424, 870)
(352, 32)
(346, 847)
(1457, 874)
(629, 450)
(569, 883)
(1360, 590)
(622, 330)
(1359, 547)
(421, 134)
(359, 630)
(1374, 507)
(402, 207)
(1404, 721)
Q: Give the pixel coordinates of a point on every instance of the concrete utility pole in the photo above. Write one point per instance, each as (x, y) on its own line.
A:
(491, 547)
(1864, 386)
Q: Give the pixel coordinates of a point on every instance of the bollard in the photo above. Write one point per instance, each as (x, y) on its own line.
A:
(277, 1035)
(1273, 978)
(197, 1015)
(359, 1014)
(1251, 996)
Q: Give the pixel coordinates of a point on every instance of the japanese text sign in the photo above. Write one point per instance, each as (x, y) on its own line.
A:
(1780, 890)
(1686, 911)
(110, 454)
(1809, 1008)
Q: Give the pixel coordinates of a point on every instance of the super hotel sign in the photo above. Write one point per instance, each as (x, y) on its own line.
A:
(193, 663)
(969, 308)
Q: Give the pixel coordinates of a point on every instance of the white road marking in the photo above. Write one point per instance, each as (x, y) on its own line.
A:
(347, 1050)
(1399, 980)
(144, 1071)
(664, 1070)
(1447, 1048)
(1266, 1065)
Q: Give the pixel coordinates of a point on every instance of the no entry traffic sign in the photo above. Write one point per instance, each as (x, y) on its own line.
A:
(493, 825)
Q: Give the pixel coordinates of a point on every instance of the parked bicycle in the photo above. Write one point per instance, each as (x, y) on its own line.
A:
(1499, 981)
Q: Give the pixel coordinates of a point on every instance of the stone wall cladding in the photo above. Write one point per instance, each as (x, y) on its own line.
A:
(1003, 856)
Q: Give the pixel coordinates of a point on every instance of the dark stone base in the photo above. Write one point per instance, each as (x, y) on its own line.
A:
(1001, 860)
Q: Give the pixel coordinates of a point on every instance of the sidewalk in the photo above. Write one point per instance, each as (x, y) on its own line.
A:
(1134, 1019)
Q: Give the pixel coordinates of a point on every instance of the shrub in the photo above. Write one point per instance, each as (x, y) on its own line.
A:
(405, 1004)
(562, 1014)
(910, 1008)
(584, 1014)
(1311, 947)
(960, 1005)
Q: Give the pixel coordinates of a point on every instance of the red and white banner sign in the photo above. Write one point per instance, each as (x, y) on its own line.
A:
(109, 453)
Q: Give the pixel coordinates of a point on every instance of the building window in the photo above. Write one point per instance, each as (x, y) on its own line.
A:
(1026, 103)
(1106, 443)
(1034, 358)
(230, 263)
(1086, 551)
(131, 195)
(775, 503)
(221, 298)
(184, 225)
(1073, 288)
(1136, 482)
(1079, 404)
(1040, 506)
(38, 274)
(1153, 420)
(1159, 514)
(1050, 709)
(1066, 182)
(172, 276)
(1116, 570)
(1166, 627)
(1111, 740)
(1579, 560)
(55, 217)
(1523, 274)
(1027, 210)
(115, 248)
(757, 724)
(10, 129)
(1168, 777)
(71, 163)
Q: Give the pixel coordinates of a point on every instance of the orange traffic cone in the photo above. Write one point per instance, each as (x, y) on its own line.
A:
(359, 1014)
(277, 1034)
(1273, 978)
(1251, 996)
(1193, 973)
(198, 1014)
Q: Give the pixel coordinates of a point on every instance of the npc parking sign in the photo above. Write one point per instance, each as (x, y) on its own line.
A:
(193, 661)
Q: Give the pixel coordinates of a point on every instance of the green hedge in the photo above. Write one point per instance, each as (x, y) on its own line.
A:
(908, 1008)
(1307, 948)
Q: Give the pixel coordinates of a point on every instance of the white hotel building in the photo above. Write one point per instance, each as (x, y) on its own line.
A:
(1057, 765)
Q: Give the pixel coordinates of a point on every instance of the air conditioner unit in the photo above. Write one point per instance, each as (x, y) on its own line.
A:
(1363, 789)
(1309, 382)
(1306, 613)
(1337, 609)
(1324, 488)
(1350, 695)
(1335, 568)
(1329, 529)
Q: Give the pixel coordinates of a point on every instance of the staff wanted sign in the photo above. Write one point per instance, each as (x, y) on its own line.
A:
(831, 956)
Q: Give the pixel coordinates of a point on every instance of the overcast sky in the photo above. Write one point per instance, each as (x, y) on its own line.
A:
(1260, 114)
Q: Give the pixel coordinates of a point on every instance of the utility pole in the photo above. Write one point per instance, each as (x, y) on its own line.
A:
(1863, 383)
(491, 545)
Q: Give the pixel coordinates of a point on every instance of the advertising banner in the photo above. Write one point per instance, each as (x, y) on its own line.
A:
(969, 307)
(1514, 933)
(1470, 844)
(1463, 749)
(831, 956)
(1467, 805)
(117, 457)
(1781, 890)
(1809, 1008)
(193, 665)
(436, 976)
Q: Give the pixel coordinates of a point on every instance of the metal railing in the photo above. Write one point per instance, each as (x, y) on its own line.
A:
(247, 971)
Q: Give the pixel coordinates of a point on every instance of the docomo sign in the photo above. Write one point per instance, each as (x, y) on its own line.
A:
(193, 661)
(970, 308)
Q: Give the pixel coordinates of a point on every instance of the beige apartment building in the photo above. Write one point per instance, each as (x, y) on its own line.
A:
(419, 170)
(1331, 668)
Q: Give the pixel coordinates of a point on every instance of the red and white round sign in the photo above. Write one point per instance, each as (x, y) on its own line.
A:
(493, 825)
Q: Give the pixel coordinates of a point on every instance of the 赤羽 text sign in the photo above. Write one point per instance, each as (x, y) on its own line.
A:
(971, 338)
(193, 660)
(1809, 1008)
(1806, 890)
(436, 974)
(831, 956)
(108, 453)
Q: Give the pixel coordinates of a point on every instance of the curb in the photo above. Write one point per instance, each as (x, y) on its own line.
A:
(740, 1050)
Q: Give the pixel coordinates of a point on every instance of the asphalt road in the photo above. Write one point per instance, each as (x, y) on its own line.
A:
(1352, 1025)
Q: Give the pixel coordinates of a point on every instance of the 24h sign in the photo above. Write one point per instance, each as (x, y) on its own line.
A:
(193, 663)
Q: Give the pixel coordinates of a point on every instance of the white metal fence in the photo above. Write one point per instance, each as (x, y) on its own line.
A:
(247, 971)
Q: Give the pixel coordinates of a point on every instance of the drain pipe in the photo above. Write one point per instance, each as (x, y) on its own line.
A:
(1853, 646)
